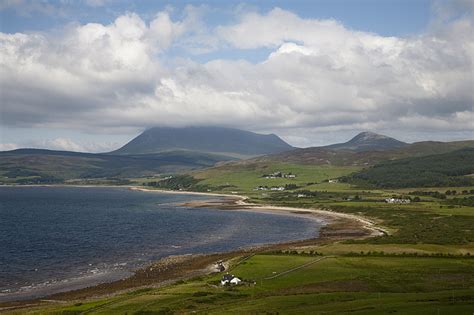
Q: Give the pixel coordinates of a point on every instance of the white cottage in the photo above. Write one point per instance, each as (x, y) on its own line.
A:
(231, 279)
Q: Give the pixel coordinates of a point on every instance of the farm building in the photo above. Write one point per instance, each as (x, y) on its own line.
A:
(230, 279)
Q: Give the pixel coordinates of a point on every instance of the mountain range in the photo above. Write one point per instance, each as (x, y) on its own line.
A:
(169, 150)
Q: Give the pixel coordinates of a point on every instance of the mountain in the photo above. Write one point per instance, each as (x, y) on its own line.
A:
(368, 141)
(224, 141)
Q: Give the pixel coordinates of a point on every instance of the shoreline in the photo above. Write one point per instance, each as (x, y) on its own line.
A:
(338, 226)
(239, 203)
(185, 192)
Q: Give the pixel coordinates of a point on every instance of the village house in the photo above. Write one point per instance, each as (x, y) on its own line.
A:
(278, 188)
(273, 175)
(278, 175)
(230, 279)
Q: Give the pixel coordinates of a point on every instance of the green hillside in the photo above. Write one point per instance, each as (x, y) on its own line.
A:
(342, 157)
(315, 167)
(440, 170)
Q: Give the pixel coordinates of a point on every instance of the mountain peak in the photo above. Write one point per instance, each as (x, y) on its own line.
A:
(213, 139)
(367, 141)
(369, 135)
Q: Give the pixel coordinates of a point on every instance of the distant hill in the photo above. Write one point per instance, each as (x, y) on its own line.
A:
(368, 141)
(155, 151)
(440, 170)
(223, 141)
(340, 157)
(36, 166)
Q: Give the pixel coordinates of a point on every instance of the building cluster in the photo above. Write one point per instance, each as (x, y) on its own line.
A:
(279, 175)
(397, 200)
(273, 188)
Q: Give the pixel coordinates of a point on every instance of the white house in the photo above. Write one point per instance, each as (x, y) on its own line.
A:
(235, 281)
(278, 188)
(231, 279)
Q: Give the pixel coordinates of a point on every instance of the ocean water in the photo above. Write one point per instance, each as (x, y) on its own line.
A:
(57, 238)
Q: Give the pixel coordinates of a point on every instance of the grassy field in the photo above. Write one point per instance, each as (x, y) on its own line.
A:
(247, 177)
(324, 285)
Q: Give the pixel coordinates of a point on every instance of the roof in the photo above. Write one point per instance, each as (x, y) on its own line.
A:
(227, 277)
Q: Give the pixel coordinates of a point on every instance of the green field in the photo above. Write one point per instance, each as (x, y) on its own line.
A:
(328, 285)
(246, 177)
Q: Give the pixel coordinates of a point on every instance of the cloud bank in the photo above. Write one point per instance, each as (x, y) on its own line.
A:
(318, 77)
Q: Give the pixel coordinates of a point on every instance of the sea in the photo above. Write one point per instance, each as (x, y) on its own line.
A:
(54, 239)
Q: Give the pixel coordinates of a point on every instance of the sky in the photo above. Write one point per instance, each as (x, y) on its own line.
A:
(89, 75)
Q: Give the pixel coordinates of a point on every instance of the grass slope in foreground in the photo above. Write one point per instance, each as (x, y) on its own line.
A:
(326, 285)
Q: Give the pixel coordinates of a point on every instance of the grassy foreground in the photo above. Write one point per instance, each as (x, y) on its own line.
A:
(329, 284)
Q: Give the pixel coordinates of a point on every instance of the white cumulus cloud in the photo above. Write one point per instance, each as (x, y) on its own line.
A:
(319, 76)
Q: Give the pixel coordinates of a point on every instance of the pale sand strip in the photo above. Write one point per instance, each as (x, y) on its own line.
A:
(240, 200)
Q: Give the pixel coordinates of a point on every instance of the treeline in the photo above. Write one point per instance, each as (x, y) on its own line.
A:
(293, 253)
(19, 172)
(466, 201)
(440, 170)
(179, 182)
(434, 194)
(439, 195)
(30, 177)
(42, 179)
(405, 254)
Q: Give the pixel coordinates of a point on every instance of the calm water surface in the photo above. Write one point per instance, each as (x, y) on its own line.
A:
(65, 236)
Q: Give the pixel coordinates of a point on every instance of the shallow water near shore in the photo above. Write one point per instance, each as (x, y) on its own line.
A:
(54, 239)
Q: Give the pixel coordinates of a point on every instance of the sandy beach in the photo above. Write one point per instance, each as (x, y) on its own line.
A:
(238, 202)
